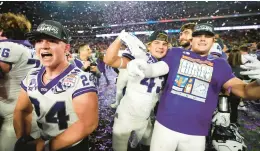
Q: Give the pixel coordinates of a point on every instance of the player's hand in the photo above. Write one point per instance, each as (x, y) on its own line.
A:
(253, 67)
(114, 105)
(86, 64)
(93, 68)
(222, 119)
(136, 68)
(25, 143)
(137, 48)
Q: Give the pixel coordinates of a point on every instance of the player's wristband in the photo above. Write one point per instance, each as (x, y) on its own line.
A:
(47, 145)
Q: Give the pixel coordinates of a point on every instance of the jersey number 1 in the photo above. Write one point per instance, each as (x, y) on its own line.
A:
(58, 109)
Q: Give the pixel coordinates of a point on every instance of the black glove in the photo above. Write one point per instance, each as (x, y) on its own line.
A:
(25, 143)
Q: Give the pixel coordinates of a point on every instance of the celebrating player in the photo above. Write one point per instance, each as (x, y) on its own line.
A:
(63, 96)
(141, 95)
(191, 92)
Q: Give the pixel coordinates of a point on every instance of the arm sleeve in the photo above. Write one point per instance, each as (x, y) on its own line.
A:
(162, 67)
(224, 67)
(26, 81)
(9, 52)
(128, 55)
(156, 69)
(85, 84)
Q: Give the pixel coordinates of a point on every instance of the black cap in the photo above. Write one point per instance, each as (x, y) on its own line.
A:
(158, 35)
(49, 28)
(204, 28)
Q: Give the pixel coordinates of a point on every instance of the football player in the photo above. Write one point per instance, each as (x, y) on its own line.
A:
(63, 96)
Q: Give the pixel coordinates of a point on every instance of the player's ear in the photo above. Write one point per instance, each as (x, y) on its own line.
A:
(67, 48)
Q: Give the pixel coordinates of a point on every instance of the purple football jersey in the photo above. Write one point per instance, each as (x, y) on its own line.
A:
(191, 92)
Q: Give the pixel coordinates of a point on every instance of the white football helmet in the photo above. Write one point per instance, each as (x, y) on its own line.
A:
(228, 139)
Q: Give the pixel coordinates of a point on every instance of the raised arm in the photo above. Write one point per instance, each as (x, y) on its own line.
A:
(136, 47)
(112, 59)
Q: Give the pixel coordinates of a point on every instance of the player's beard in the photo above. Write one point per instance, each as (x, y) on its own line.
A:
(185, 45)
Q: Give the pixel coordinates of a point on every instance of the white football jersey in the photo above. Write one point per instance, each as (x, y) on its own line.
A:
(142, 94)
(22, 59)
(53, 101)
(216, 49)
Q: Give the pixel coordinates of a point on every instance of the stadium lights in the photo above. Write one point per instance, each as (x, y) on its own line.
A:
(179, 20)
(178, 30)
(80, 31)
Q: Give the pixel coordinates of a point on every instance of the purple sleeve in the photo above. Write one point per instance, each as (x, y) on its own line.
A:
(224, 67)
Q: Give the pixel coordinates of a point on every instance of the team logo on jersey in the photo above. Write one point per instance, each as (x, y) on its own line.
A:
(33, 85)
(64, 84)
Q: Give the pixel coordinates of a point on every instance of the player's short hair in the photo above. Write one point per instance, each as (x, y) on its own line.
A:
(190, 26)
(82, 47)
(14, 26)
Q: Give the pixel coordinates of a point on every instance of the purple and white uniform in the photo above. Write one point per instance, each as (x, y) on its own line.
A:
(133, 112)
(190, 96)
(53, 101)
(21, 58)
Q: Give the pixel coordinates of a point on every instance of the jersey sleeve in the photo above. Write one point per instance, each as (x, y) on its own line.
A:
(9, 52)
(128, 55)
(26, 81)
(216, 50)
(85, 83)
(225, 68)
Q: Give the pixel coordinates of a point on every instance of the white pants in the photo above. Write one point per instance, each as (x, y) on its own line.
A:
(122, 128)
(8, 136)
(164, 139)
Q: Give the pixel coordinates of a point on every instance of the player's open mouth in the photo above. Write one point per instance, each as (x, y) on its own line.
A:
(46, 55)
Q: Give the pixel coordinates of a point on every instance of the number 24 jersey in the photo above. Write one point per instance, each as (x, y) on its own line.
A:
(53, 102)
